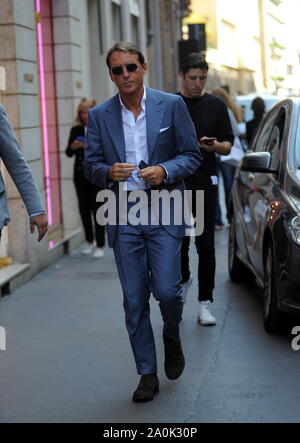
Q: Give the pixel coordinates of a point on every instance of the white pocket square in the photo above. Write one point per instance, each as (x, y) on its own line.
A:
(163, 129)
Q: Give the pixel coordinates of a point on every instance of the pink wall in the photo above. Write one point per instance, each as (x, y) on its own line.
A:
(48, 113)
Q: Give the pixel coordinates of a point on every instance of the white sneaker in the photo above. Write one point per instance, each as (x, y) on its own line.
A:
(98, 253)
(205, 316)
(88, 249)
(185, 287)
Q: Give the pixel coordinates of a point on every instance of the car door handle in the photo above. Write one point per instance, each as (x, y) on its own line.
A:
(251, 176)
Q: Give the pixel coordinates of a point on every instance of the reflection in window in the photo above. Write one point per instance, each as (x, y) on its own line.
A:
(276, 141)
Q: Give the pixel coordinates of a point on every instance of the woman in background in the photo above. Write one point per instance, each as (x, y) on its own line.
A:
(259, 108)
(86, 191)
(227, 171)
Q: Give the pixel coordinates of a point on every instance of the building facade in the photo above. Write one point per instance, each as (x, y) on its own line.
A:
(281, 47)
(53, 52)
(250, 46)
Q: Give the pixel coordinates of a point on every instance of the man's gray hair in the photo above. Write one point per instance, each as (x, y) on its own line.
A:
(125, 47)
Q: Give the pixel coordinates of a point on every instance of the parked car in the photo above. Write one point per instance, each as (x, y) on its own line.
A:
(264, 234)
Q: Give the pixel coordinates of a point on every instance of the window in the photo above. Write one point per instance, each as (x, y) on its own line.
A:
(297, 145)
(260, 142)
(134, 18)
(271, 135)
(276, 137)
(290, 69)
(134, 29)
(229, 43)
(117, 22)
(100, 27)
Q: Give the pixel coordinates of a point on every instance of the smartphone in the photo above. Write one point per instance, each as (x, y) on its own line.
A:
(80, 139)
(142, 165)
(208, 140)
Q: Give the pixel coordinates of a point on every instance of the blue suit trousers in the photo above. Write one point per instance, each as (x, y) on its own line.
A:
(149, 260)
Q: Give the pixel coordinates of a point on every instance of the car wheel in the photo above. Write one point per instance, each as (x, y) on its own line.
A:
(272, 316)
(236, 269)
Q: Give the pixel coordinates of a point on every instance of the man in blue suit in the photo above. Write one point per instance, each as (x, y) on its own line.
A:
(146, 140)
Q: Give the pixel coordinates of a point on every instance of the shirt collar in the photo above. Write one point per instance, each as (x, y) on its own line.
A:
(143, 103)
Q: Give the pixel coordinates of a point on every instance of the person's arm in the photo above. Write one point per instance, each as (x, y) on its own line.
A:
(222, 148)
(225, 135)
(73, 144)
(41, 222)
(20, 172)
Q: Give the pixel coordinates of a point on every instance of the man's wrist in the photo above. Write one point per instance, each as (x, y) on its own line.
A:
(166, 175)
(221, 148)
(108, 177)
(37, 213)
(164, 171)
(109, 181)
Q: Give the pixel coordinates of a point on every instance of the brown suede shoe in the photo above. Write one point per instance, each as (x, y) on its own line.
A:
(147, 388)
(174, 358)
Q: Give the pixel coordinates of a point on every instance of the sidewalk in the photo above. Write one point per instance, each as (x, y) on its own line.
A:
(68, 357)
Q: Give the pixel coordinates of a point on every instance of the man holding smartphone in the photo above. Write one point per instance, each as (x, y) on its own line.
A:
(214, 132)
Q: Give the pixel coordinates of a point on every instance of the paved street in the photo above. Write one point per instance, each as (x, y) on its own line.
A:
(68, 357)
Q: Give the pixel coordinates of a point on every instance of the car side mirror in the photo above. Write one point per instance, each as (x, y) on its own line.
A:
(257, 162)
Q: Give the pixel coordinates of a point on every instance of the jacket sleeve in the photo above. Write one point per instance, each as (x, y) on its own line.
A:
(69, 151)
(17, 167)
(187, 157)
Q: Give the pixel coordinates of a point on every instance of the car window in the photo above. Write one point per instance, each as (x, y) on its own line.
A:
(297, 147)
(276, 137)
(260, 143)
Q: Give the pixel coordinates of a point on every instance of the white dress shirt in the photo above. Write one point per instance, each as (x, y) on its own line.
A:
(136, 147)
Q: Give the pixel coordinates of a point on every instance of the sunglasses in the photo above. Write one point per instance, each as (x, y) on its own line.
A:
(118, 70)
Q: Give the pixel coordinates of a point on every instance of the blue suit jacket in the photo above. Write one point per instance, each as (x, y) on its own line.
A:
(175, 148)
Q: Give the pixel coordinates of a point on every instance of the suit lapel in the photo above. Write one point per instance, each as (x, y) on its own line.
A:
(154, 116)
(114, 125)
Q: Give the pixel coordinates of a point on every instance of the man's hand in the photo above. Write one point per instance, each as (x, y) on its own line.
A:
(153, 175)
(120, 172)
(42, 224)
(222, 148)
(208, 148)
(77, 144)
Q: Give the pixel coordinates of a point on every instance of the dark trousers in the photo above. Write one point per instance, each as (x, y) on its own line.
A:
(205, 245)
(86, 194)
